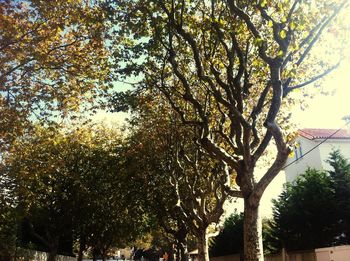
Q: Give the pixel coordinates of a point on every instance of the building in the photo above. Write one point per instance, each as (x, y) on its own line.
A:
(312, 149)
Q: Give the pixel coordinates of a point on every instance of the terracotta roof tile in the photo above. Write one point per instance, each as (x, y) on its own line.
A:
(312, 134)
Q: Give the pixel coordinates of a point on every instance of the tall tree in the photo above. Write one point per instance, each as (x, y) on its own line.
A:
(228, 68)
(43, 189)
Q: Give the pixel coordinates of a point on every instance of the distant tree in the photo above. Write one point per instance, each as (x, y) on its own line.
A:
(185, 188)
(8, 221)
(43, 190)
(230, 239)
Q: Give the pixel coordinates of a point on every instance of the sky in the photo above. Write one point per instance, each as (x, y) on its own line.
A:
(327, 111)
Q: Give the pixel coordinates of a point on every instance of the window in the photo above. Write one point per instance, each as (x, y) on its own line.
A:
(298, 153)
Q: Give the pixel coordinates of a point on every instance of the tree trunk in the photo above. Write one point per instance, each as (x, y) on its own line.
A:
(104, 253)
(253, 247)
(177, 251)
(81, 249)
(95, 254)
(203, 253)
(51, 256)
(181, 245)
(53, 247)
(183, 252)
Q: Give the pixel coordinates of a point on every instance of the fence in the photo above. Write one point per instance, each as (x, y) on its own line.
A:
(33, 255)
(226, 258)
(291, 256)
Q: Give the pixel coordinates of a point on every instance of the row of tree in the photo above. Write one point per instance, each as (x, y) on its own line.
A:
(94, 189)
(214, 77)
(311, 212)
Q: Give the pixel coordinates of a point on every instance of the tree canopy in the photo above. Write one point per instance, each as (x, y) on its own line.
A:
(69, 185)
(53, 60)
(222, 74)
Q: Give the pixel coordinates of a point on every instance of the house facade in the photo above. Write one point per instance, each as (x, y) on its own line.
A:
(312, 149)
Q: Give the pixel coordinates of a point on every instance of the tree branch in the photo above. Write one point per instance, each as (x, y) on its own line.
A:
(326, 72)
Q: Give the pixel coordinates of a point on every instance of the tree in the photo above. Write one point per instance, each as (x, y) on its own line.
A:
(340, 176)
(315, 194)
(185, 189)
(68, 185)
(228, 68)
(53, 59)
(299, 208)
(230, 239)
(8, 221)
(100, 208)
(43, 190)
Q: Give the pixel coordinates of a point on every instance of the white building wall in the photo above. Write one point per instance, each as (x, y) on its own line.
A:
(338, 253)
(312, 159)
(316, 158)
(329, 146)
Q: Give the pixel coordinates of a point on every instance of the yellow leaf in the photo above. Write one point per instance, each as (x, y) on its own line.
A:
(283, 34)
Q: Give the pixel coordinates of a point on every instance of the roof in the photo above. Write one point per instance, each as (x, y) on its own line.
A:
(313, 134)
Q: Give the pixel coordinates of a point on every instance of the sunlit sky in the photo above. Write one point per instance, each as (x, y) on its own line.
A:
(327, 111)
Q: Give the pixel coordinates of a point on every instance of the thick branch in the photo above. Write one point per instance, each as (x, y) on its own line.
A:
(245, 17)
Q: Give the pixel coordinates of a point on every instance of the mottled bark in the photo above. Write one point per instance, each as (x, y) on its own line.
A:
(253, 247)
(203, 250)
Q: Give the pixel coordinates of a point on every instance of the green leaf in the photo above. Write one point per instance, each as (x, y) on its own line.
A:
(258, 42)
(280, 6)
